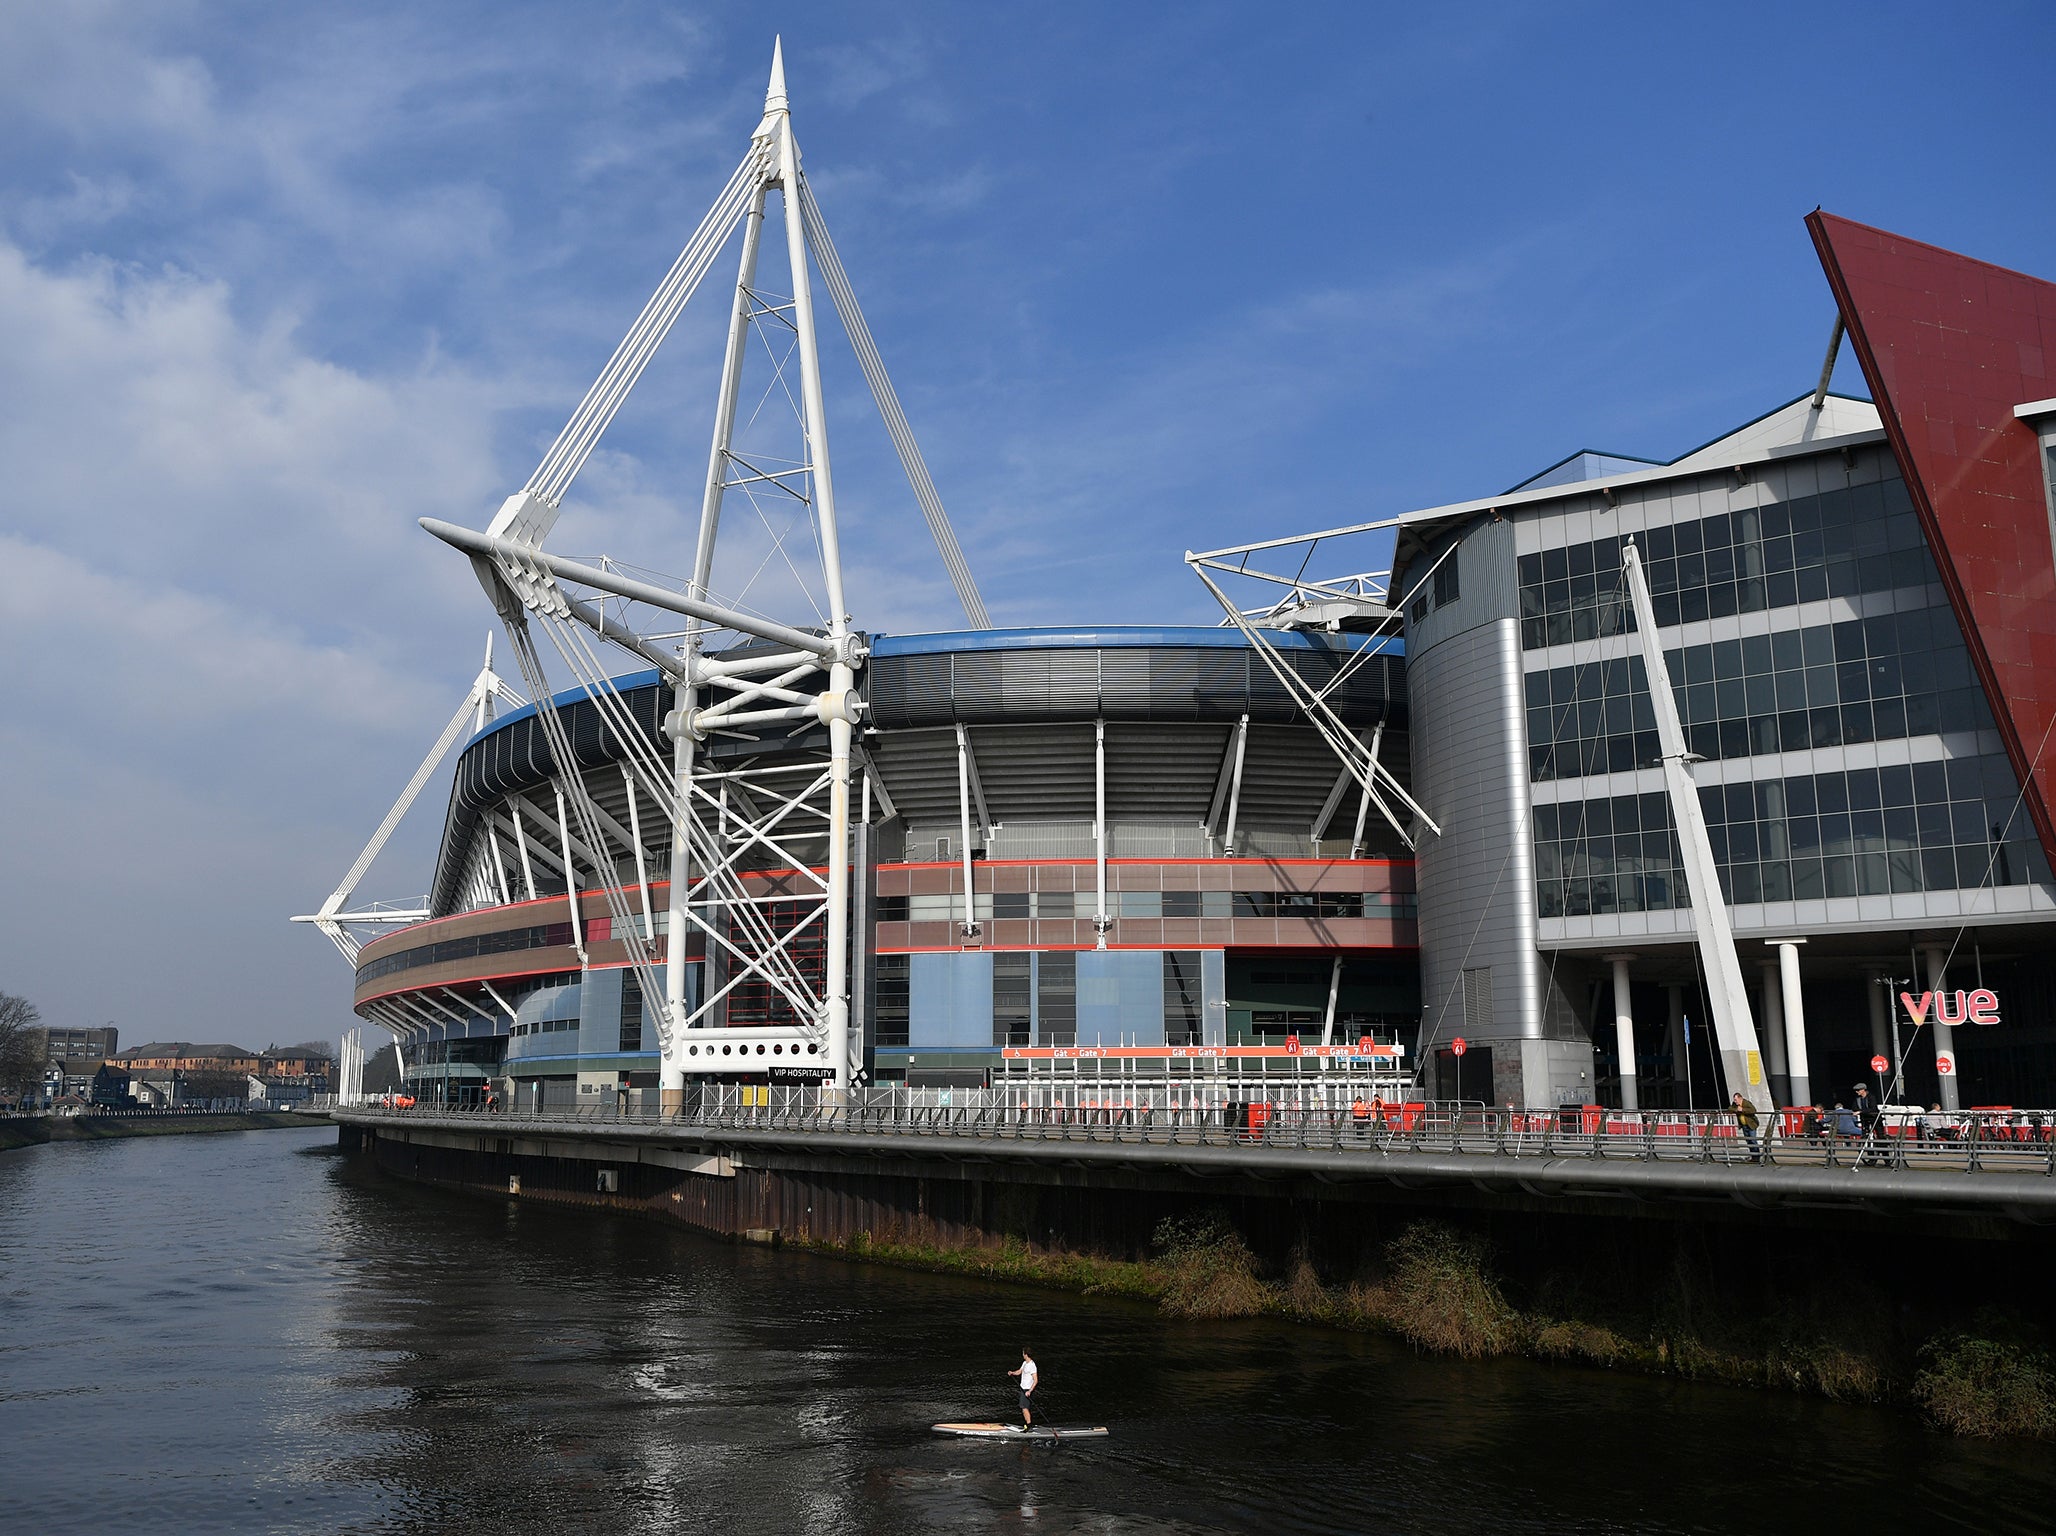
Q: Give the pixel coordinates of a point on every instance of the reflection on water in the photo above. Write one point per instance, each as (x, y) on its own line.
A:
(234, 1333)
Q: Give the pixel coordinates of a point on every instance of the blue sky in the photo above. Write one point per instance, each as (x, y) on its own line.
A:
(276, 280)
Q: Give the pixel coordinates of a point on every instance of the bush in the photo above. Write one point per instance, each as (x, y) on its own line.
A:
(1208, 1269)
(1439, 1293)
(1987, 1387)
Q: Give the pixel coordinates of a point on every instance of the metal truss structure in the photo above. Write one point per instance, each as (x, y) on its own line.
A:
(1363, 602)
(349, 930)
(1356, 602)
(737, 674)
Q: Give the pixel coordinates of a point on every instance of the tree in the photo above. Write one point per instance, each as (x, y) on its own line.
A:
(22, 1046)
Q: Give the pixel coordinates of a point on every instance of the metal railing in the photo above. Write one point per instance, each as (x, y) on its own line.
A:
(1962, 1141)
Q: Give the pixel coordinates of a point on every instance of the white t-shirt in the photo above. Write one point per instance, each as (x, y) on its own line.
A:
(1027, 1375)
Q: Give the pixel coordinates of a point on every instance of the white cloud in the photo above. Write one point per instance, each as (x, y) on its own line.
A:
(220, 620)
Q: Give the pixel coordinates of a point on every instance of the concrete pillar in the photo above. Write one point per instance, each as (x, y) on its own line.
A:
(1795, 1022)
(1945, 1035)
(1880, 1032)
(1674, 993)
(1773, 1032)
(1624, 1033)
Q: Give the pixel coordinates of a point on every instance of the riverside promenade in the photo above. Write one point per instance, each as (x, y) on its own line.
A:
(1987, 1166)
(37, 1130)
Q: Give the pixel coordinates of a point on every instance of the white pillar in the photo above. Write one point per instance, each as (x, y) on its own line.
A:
(1235, 788)
(836, 982)
(1328, 1019)
(671, 1030)
(1945, 1035)
(1624, 1033)
(1100, 922)
(969, 925)
(1795, 1022)
(1774, 1032)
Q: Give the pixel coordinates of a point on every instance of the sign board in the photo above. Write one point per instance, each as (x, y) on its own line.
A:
(1945, 1064)
(1980, 1007)
(803, 1074)
(1879, 1065)
(1292, 1045)
(1458, 1046)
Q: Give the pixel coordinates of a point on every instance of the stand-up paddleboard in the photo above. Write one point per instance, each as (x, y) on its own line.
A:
(1016, 1432)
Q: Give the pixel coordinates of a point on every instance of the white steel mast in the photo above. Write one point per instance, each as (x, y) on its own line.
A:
(795, 675)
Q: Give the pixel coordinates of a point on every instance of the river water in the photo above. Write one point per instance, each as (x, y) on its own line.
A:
(246, 1333)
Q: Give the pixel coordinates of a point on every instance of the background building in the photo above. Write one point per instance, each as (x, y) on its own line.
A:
(1854, 606)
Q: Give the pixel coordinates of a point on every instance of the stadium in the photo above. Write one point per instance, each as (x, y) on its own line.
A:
(1247, 893)
(1418, 831)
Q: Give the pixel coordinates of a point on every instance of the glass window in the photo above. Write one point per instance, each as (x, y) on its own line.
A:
(1011, 993)
(1056, 998)
(1184, 1007)
(1447, 588)
(891, 999)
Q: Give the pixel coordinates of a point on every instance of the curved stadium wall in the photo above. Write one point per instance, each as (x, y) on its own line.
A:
(1241, 866)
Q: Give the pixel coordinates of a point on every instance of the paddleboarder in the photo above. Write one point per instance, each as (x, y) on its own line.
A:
(1026, 1371)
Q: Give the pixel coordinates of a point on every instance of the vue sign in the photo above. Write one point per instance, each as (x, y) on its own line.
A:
(1979, 1007)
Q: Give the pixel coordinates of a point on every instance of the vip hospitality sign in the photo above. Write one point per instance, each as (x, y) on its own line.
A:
(1979, 1007)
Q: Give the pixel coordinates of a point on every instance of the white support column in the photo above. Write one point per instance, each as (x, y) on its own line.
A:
(841, 674)
(842, 680)
(1774, 1032)
(570, 880)
(642, 867)
(492, 842)
(969, 925)
(1363, 804)
(1937, 958)
(1624, 1034)
(671, 1036)
(1795, 1021)
(1100, 921)
(521, 843)
(1235, 787)
(1328, 1019)
(1733, 1022)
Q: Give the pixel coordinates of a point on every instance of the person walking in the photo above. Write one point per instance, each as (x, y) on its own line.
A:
(1746, 1120)
(1027, 1373)
(1867, 1118)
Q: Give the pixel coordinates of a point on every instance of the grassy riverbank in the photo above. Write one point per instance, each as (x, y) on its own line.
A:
(34, 1131)
(1438, 1288)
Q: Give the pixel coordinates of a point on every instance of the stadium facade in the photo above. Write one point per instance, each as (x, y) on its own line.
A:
(1406, 811)
(1244, 877)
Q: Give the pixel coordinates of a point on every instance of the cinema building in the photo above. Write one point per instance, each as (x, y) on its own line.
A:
(1133, 836)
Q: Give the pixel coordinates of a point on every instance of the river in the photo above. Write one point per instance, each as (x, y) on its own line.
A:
(245, 1333)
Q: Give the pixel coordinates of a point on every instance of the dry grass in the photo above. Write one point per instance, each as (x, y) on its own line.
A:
(1439, 1294)
(1987, 1387)
(1439, 1291)
(1208, 1270)
(1009, 1260)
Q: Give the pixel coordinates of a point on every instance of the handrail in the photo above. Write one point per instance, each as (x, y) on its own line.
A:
(1970, 1141)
